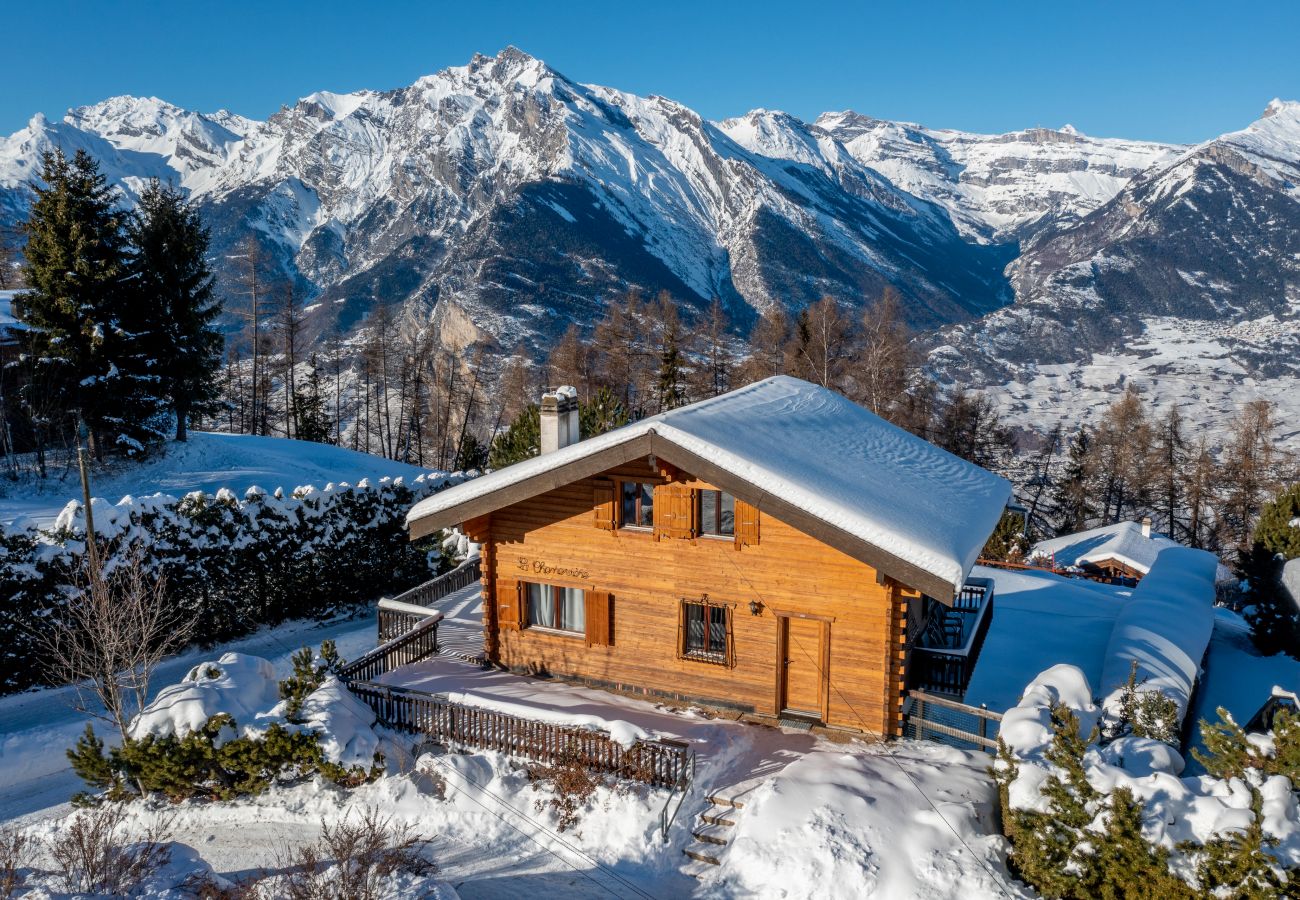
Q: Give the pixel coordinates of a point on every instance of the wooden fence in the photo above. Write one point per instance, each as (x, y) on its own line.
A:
(393, 622)
(928, 716)
(659, 763)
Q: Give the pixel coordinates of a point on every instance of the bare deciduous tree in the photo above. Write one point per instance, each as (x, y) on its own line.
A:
(110, 638)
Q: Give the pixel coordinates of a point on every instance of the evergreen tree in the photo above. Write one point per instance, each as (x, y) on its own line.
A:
(1125, 864)
(1007, 542)
(310, 420)
(1273, 616)
(1072, 503)
(76, 302)
(604, 412)
(523, 439)
(172, 284)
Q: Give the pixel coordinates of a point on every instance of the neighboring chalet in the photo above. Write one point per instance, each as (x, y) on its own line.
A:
(776, 550)
(1122, 552)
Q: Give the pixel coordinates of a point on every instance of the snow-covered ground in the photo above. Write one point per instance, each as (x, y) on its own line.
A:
(207, 462)
(1039, 620)
(37, 726)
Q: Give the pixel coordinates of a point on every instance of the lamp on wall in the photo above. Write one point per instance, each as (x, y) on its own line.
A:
(755, 607)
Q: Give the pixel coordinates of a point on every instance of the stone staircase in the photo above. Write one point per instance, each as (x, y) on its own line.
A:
(712, 832)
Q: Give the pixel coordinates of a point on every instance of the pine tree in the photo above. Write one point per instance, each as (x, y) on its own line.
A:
(1170, 461)
(1125, 864)
(76, 265)
(172, 284)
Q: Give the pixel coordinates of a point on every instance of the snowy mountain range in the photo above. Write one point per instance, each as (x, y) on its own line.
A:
(507, 201)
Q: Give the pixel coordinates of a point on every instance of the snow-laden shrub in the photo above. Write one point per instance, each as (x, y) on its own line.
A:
(229, 563)
(224, 732)
(1091, 815)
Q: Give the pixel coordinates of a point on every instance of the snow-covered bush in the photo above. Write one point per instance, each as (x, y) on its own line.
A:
(224, 732)
(229, 564)
(1090, 813)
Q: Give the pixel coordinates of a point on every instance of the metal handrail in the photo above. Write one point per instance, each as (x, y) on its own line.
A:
(679, 790)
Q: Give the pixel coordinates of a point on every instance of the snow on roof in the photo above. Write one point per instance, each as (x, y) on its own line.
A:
(1166, 627)
(820, 453)
(1123, 542)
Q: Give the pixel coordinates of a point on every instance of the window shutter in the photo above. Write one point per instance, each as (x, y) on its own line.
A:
(674, 512)
(603, 496)
(511, 603)
(600, 630)
(746, 525)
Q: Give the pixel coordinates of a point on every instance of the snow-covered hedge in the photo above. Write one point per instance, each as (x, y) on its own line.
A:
(231, 563)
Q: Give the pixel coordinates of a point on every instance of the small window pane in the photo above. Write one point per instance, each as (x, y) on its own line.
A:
(695, 638)
(573, 609)
(717, 629)
(541, 606)
(630, 490)
(727, 521)
(647, 519)
(709, 512)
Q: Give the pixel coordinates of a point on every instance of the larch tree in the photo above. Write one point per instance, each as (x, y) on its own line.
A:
(1200, 489)
(823, 343)
(886, 361)
(568, 363)
(173, 285)
(711, 347)
(1169, 461)
(1249, 472)
(769, 341)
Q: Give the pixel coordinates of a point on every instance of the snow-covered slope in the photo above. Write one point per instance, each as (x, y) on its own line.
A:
(1188, 279)
(998, 186)
(208, 462)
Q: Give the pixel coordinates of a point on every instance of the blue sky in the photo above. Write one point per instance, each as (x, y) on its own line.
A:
(1168, 71)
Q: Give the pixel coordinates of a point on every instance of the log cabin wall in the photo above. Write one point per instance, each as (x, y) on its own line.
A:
(856, 623)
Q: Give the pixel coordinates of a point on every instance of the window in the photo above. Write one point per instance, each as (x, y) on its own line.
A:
(706, 631)
(637, 504)
(717, 513)
(560, 608)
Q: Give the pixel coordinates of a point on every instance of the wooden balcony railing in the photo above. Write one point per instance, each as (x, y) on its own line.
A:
(408, 609)
(943, 650)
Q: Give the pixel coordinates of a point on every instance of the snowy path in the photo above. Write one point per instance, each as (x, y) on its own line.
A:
(38, 726)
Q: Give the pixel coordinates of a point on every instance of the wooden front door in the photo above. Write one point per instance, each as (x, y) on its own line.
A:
(801, 665)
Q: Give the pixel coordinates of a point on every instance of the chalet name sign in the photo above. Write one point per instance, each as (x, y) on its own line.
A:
(541, 567)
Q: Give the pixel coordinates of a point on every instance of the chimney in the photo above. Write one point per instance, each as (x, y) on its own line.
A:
(1146, 526)
(559, 418)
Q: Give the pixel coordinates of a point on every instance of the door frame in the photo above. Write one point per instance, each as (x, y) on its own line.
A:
(822, 661)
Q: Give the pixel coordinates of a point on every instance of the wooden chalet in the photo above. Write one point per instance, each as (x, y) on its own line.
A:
(776, 550)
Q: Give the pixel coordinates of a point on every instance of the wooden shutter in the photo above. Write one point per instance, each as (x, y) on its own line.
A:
(603, 496)
(681, 628)
(746, 525)
(729, 638)
(600, 619)
(674, 512)
(512, 601)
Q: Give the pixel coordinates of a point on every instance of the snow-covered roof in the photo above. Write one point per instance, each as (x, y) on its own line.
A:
(1165, 627)
(1123, 542)
(800, 452)
(7, 320)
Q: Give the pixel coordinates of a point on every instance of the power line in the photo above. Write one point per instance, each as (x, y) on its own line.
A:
(636, 889)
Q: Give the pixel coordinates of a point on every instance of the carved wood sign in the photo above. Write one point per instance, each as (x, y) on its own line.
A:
(540, 567)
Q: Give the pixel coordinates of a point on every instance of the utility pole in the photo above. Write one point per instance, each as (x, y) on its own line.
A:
(83, 462)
